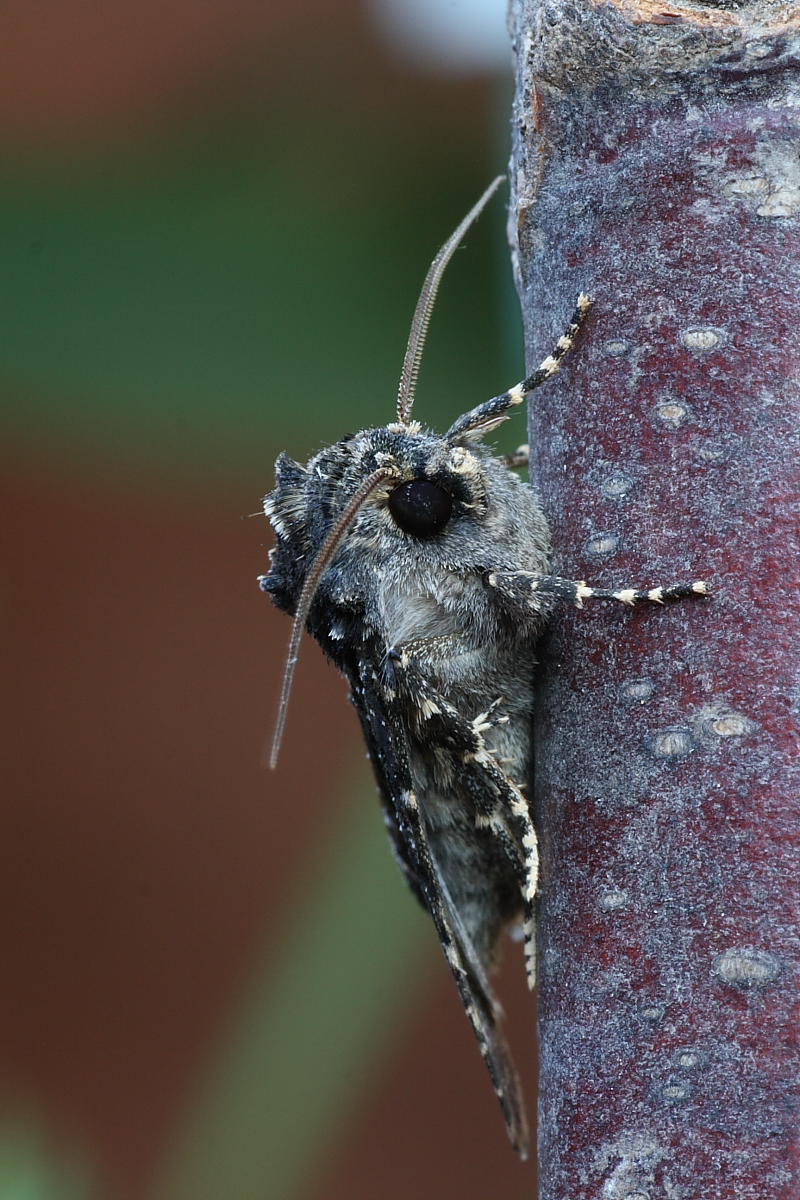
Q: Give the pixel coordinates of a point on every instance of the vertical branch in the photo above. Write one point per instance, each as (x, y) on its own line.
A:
(657, 166)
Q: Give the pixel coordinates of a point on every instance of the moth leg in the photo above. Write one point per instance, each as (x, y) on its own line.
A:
(519, 457)
(491, 413)
(425, 650)
(527, 591)
(523, 847)
(524, 844)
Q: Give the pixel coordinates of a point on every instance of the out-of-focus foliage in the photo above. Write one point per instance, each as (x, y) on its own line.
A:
(30, 1170)
(182, 297)
(201, 303)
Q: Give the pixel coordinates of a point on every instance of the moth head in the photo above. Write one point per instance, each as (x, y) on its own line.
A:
(420, 507)
(421, 500)
(437, 486)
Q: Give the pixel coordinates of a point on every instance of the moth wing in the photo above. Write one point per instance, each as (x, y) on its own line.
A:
(390, 770)
(389, 758)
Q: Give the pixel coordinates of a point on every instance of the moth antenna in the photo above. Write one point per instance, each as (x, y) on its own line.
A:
(307, 597)
(427, 297)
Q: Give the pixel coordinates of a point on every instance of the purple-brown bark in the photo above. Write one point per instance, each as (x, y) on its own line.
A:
(657, 166)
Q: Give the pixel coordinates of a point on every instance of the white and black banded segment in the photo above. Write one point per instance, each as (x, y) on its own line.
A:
(492, 412)
(500, 806)
(525, 842)
(539, 591)
(518, 458)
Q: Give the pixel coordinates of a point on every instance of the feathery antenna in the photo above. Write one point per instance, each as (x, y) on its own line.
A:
(307, 596)
(422, 313)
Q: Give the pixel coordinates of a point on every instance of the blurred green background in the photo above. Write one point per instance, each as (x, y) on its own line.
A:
(214, 220)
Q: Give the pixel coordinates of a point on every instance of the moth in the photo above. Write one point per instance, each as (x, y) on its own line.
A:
(419, 562)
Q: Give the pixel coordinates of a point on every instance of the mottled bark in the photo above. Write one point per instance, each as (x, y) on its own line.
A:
(657, 166)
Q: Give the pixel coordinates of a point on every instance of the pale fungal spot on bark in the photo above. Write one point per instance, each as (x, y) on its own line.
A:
(732, 725)
(616, 485)
(672, 413)
(703, 338)
(676, 1091)
(673, 742)
(636, 691)
(712, 452)
(771, 183)
(652, 1012)
(718, 721)
(612, 899)
(688, 1059)
(601, 544)
(616, 347)
(747, 185)
(785, 202)
(628, 1166)
(743, 967)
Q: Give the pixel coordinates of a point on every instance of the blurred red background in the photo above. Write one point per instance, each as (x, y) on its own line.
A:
(215, 219)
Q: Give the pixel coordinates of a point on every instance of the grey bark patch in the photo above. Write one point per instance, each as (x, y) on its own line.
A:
(672, 413)
(747, 968)
(636, 691)
(675, 741)
(703, 338)
(601, 544)
(770, 183)
(612, 899)
(629, 1165)
(616, 485)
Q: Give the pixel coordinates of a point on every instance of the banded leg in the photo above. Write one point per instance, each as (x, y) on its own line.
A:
(526, 844)
(491, 413)
(538, 592)
(519, 457)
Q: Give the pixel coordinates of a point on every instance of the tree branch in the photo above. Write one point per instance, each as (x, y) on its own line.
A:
(656, 165)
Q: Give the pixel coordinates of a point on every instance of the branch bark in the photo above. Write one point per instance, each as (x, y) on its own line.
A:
(656, 165)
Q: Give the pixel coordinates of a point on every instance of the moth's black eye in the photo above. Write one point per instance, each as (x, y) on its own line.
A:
(420, 507)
